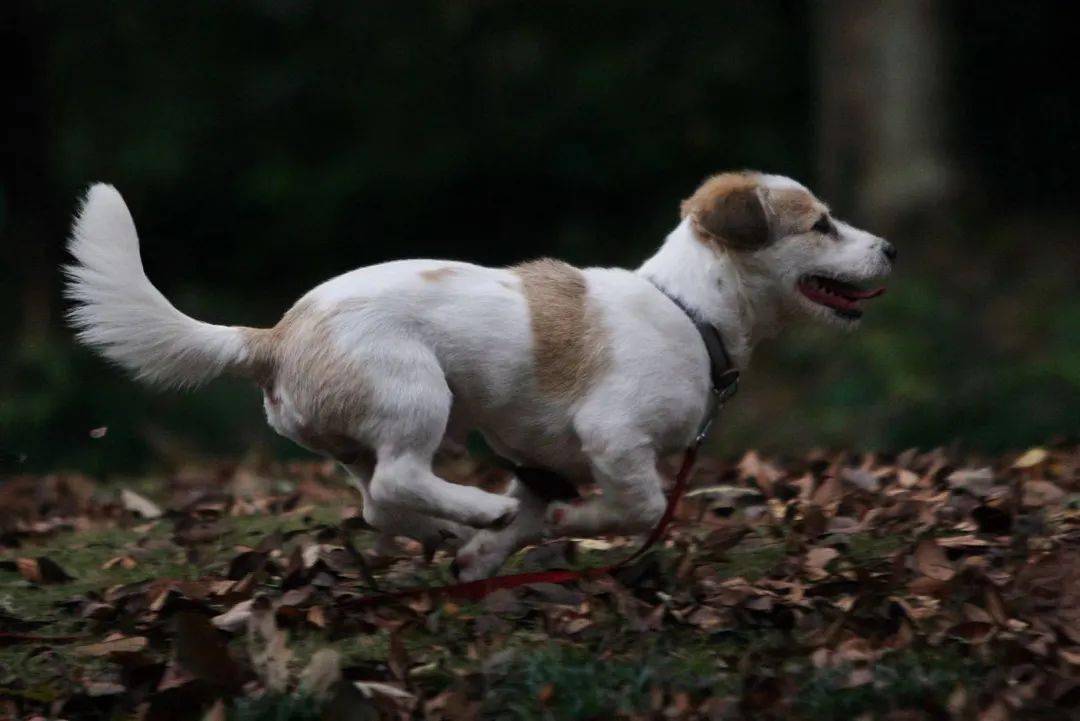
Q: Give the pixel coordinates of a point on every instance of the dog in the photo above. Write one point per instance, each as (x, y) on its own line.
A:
(592, 374)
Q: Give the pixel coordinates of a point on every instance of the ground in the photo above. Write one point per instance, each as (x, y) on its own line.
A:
(836, 586)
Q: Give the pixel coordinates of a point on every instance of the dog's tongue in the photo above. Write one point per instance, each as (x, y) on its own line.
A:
(848, 290)
(860, 294)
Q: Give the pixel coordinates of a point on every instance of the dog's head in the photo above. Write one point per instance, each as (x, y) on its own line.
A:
(788, 244)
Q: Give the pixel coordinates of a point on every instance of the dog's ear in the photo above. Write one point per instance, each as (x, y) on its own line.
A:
(729, 210)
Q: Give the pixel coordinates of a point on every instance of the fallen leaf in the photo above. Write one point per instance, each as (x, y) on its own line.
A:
(818, 558)
(42, 570)
(930, 560)
(216, 712)
(1038, 493)
(373, 688)
(972, 631)
(1031, 458)
(235, 618)
(132, 501)
(268, 647)
(321, 673)
(861, 479)
(978, 482)
(122, 644)
(202, 652)
(127, 562)
(859, 677)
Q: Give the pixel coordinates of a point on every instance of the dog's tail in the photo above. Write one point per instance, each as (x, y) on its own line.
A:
(124, 317)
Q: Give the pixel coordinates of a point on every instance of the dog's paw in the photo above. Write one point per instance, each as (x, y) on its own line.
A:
(481, 557)
(476, 566)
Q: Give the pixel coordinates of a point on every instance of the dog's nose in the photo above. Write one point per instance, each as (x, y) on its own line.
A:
(889, 250)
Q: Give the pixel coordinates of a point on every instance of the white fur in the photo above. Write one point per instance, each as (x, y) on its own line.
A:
(421, 361)
(120, 313)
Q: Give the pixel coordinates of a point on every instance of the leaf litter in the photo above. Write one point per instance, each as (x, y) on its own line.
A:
(834, 586)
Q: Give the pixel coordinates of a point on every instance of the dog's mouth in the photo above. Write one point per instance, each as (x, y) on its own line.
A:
(840, 296)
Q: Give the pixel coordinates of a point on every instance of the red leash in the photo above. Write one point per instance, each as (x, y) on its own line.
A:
(475, 590)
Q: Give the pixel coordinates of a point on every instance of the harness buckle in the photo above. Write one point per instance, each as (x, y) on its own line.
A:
(727, 385)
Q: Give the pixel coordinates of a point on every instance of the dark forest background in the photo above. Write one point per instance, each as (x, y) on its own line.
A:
(265, 146)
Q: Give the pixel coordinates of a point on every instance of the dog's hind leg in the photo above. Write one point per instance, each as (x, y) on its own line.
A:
(407, 429)
(407, 482)
(391, 521)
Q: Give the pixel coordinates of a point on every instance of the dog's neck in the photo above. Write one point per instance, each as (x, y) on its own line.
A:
(717, 289)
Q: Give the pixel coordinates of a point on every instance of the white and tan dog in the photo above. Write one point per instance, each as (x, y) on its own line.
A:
(593, 374)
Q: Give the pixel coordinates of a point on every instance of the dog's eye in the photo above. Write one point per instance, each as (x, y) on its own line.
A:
(822, 225)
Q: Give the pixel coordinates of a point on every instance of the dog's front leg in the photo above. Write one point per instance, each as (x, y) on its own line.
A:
(632, 500)
(488, 549)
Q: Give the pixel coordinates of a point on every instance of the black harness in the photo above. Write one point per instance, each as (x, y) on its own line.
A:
(724, 374)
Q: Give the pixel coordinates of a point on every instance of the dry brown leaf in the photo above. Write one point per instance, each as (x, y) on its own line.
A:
(972, 631)
(1038, 493)
(217, 712)
(859, 677)
(268, 647)
(235, 618)
(321, 674)
(127, 562)
(378, 688)
(546, 693)
(109, 647)
(42, 570)
(930, 560)
(201, 652)
(1031, 458)
(132, 501)
(978, 482)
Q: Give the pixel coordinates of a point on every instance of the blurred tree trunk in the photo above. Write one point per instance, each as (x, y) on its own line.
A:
(883, 104)
(27, 205)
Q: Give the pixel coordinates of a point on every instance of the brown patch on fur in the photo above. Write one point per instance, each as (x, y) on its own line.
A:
(795, 210)
(569, 342)
(323, 381)
(436, 274)
(263, 344)
(726, 209)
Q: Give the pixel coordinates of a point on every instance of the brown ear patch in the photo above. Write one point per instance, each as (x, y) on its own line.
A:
(569, 340)
(794, 210)
(727, 209)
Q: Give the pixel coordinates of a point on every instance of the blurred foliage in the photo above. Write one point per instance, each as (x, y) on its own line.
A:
(265, 146)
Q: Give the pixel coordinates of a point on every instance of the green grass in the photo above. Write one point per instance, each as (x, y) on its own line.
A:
(752, 559)
(582, 685)
(293, 707)
(83, 554)
(605, 670)
(912, 679)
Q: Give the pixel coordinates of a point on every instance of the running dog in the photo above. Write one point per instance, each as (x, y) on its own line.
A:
(592, 374)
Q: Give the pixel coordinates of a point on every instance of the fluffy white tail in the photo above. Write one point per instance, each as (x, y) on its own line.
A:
(124, 317)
